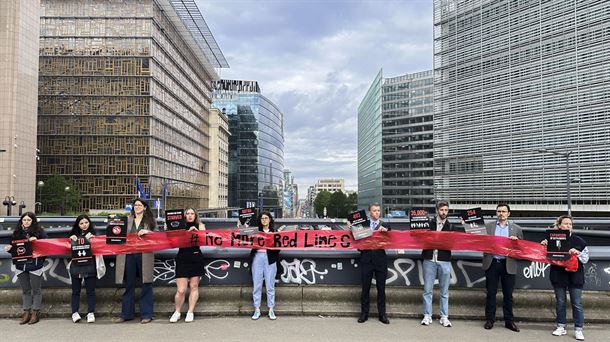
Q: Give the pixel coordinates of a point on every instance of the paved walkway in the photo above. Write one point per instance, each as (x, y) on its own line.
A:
(284, 329)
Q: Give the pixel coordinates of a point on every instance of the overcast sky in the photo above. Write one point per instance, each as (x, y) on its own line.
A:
(316, 59)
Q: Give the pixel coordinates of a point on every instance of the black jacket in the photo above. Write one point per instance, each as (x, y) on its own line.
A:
(36, 263)
(375, 256)
(273, 255)
(562, 278)
(443, 255)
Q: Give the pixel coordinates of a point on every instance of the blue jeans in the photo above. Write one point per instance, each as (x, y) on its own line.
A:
(261, 269)
(133, 268)
(577, 310)
(442, 271)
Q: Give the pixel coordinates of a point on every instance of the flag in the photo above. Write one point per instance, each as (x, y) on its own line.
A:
(141, 191)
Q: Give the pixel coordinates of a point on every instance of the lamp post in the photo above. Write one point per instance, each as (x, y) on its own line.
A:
(566, 155)
(63, 204)
(39, 186)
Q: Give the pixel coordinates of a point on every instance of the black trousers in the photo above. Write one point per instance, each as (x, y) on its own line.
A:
(495, 274)
(380, 272)
(76, 287)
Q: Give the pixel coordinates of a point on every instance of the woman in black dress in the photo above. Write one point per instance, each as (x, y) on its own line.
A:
(189, 269)
(83, 229)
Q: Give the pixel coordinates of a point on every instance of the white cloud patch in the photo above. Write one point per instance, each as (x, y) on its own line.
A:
(316, 60)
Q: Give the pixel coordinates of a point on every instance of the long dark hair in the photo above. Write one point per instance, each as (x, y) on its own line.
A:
(197, 220)
(76, 226)
(35, 229)
(148, 218)
(271, 221)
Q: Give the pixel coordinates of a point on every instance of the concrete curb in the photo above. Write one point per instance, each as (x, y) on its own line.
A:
(324, 300)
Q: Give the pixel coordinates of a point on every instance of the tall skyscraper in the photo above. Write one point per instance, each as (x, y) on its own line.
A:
(515, 82)
(124, 98)
(19, 27)
(219, 162)
(256, 145)
(396, 143)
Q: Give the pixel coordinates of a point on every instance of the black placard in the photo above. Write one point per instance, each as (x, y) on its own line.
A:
(473, 221)
(247, 225)
(361, 225)
(21, 252)
(558, 245)
(116, 231)
(174, 219)
(419, 218)
(81, 251)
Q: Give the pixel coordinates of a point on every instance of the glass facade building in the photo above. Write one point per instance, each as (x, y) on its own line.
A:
(407, 140)
(369, 145)
(515, 77)
(256, 145)
(124, 96)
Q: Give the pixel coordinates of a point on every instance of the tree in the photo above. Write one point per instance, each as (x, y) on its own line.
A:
(351, 204)
(336, 207)
(322, 201)
(53, 195)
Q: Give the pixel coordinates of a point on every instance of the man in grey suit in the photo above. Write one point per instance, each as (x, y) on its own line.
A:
(499, 268)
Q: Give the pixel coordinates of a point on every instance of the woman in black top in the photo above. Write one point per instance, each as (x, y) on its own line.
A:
(83, 229)
(264, 266)
(189, 269)
(30, 274)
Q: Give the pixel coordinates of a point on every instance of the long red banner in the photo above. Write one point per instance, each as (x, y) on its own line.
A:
(337, 240)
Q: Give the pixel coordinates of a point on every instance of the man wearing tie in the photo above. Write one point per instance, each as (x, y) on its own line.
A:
(501, 268)
(374, 262)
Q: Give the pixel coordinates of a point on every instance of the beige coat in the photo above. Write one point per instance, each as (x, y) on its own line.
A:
(148, 261)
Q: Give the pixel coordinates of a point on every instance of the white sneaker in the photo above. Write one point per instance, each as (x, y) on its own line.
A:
(175, 317)
(579, 335)
(427, 320)
(257, 314)
(444, 321)
(75, 317)
(272, 315)
(90, 318)
(560, 331)
(189, 317)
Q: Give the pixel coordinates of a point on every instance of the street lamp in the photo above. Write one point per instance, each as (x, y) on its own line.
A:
(39, 186)
(566, 155)
(63, 204)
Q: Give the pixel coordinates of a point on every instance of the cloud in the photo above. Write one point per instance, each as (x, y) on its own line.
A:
(316, 60)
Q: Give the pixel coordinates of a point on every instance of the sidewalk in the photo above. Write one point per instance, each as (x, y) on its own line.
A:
(288, 328)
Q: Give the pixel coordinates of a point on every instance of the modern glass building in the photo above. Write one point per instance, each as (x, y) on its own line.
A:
(124, 95)
(407, 141)
(256, 145)
(515, 82)
(369, 145)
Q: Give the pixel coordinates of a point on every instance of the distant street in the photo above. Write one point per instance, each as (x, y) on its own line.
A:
(284, 329)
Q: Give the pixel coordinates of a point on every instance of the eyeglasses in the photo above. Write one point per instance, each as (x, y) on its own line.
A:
(264, 218)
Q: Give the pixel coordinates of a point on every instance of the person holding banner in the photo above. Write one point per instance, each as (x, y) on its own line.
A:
(374, 263)
(83, 230)
(130, 266)
(499, 268)
(572, 282)
(189, 269)
(29, 274)
(264, 266)
(437, 264)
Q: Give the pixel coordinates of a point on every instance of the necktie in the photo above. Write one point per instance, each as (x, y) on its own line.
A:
(374, 225)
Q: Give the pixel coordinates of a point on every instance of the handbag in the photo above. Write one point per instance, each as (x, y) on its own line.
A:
(100, 266)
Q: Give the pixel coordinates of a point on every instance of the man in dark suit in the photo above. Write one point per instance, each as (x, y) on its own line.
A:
(437, 264)
(374, 263)
(499, 268)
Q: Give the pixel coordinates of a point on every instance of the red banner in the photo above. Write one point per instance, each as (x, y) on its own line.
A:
(315, 239)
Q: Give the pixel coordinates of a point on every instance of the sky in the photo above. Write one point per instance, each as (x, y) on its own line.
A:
(316, 59)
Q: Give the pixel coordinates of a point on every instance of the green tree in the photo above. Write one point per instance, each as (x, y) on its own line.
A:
(54, 195)
(336, 207)
(322, 200)
(351, 203)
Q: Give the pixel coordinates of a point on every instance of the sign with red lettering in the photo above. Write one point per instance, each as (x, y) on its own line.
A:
(21, 252)
(361, 226)
(473, 221)
(116, 231)
(247, 224)
(419, 218)
(81, 251)
(174, 219)
(558, 245)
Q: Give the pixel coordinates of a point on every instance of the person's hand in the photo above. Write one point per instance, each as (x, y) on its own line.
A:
(33, 238)
(237, 224)
(89, 236)
(382, 229)
(544, 242)
(7, 248)
(574, 251)
(143, 232)
(349, 224)
(192, 228)
(463, 222)
(513, 237)
(73, 237)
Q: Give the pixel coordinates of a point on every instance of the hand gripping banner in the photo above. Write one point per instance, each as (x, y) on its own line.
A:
(334, 240)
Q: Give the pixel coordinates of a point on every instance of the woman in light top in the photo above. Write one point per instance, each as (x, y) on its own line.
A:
(189, 269)
(264, 266)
